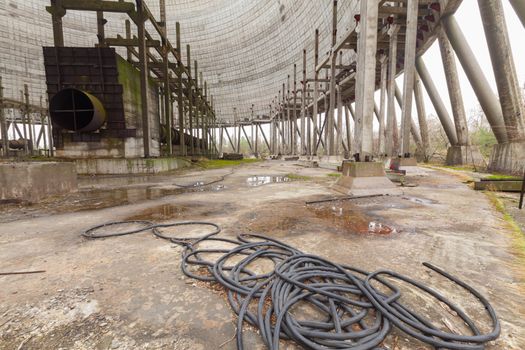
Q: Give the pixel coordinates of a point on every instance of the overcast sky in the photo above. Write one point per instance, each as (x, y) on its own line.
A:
(469, 19)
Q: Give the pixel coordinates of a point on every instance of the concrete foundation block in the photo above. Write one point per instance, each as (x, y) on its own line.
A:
(397, 163)
(103, 166)
(365, 178)
(34, 181)
(465, 155)
(508, 158)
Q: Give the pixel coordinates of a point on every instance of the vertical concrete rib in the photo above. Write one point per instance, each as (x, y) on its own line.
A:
(409, 72)
(487, 99)
(365, 82)
(391, 109)
(500, 50)
(454, 89)
(303, 109)
(439, 106)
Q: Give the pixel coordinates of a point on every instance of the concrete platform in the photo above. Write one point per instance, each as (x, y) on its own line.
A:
(106, 166)
(129, 293)
(361, 178)
(33, 181)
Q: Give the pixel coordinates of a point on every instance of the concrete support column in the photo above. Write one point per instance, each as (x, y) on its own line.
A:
(487, 99)
(316, 92)
(383, 60)
(504, 69)
(348, 129)
(339, 141)
(303, 110)
(519, 7)
(101, 32)
(129, 51)
(439, 106)
(57, 12)
(365, 82)
(391, 82)
(166, 73)
(294, 112)
(190, 100)
(454, 89)
(180, 101)
(330, 114)
(144, 78)
(3, 124)
(422, 115)
(409, 72)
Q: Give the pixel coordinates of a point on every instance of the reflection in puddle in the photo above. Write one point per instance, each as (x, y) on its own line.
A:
(264, 180)
(349, 217)
(421, 200)
(159, 213)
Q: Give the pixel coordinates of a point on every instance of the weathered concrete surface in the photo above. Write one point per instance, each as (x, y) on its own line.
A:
(106, 166)
(508, 158)
(129, 293)
(33, 181)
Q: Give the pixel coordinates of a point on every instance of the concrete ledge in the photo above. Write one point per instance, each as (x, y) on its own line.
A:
(34, 181)
(508, 158)
(361, 179)
(103, 166)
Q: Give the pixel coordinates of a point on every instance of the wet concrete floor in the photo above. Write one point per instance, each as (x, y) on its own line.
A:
(129, 293)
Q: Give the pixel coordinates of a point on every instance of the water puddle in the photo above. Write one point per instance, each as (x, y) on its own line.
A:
(419, 200)
(160, 213)
(349, 217)
(264, 180)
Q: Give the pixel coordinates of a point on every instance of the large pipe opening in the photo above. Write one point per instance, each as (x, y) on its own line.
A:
(76, 110)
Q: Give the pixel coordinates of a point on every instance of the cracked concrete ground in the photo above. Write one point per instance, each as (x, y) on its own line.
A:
(129, 293)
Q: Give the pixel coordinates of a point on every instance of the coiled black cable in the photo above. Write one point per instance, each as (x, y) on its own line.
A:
(350, 313)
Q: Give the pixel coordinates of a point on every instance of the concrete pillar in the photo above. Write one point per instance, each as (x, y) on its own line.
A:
(190, 100)
(294, 112)
(316, 92)
(391, 108)
(304, 137)
(129, 54)
(413, 129)
(487, 99)
(519, 7)
(383, 60)
(500, 50)
(348, 129)
(409, 72)
(439, 106)
(29, 120)
(57, 12)
(180, 100)
(166, 73)
(3, 124)
(144, 79)
(454, 88)
(330, 114)
(339, 141)
(365, 82)
(422, 115)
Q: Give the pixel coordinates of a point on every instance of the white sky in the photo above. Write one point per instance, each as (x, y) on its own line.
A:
(469, 19)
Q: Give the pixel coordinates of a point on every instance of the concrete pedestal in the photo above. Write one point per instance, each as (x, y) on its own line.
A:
(361, 179)
(33, 181)
(465, 155)
(508, 158)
